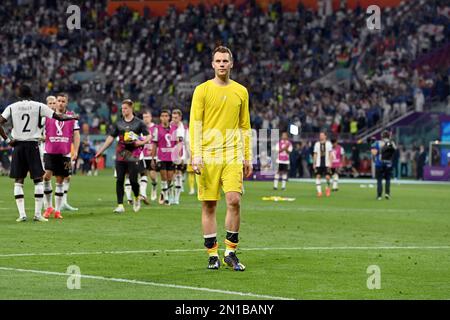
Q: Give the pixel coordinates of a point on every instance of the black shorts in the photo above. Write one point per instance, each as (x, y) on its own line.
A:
(180, 167)
(146, 164)
(59, 164)
(283, 167)
(26, 158)
(165, 165)
(335, 170)
(322, 171)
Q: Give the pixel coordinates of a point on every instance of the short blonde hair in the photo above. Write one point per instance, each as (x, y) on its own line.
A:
(129, 102)
(50, 98)
(177, 111)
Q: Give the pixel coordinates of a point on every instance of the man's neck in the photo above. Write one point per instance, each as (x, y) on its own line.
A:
(128, 118)
(221, 81)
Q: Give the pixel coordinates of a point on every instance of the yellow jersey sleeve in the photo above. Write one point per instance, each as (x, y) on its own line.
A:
(196, 121)
(244, 125)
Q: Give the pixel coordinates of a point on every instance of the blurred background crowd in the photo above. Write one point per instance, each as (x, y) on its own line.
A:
(318, 69)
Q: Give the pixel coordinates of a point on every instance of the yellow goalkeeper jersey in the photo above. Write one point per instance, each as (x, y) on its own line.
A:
(220, 120)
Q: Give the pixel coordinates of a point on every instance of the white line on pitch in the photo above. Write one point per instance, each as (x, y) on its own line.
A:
(148, 283)
(81, 253)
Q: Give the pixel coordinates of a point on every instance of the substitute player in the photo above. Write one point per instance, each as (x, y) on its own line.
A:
(147, 152)
(189, 170)
(284, 148)
(179, 155)
(62, 100)
(128, 150)
(220, 137)
(48, 190)
(51, 103)
(59, 137)
(25, 118)
(338, 154)
(322, 163)
(165, 141)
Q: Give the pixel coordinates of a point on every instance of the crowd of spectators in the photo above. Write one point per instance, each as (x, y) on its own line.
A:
(280, 56)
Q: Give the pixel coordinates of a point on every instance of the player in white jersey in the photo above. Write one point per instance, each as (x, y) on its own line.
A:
(25, 116)
(322, 163)
(180, 156)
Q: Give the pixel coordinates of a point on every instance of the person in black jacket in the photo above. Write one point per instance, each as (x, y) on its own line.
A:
(383, 154)
(421, 159)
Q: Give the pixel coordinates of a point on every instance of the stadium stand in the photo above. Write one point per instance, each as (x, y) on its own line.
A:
(157, 60)
(286, 59)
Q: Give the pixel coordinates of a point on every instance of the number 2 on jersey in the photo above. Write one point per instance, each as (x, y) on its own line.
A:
(25, 127)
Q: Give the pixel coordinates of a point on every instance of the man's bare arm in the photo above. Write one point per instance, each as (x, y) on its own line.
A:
(108, 142)
(76, 144)
(64, 117)
(2, 131)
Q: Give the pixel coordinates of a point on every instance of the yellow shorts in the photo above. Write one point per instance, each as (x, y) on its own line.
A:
(214, 176)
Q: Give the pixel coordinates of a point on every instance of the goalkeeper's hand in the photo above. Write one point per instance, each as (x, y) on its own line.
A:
(197, 164)
(248, 168)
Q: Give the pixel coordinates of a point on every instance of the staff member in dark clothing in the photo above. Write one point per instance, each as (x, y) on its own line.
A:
(383, 152)
(395, 161)
(295, 162)
(128, 150)
(421, 159)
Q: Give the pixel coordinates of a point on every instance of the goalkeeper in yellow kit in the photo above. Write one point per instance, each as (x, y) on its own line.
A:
(220, 136)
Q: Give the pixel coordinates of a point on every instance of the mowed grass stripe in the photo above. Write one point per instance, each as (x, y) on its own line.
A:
(344, 248)
(148, 283)
(309, 249)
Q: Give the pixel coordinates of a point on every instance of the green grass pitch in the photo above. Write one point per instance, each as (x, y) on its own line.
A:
(307, 249)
